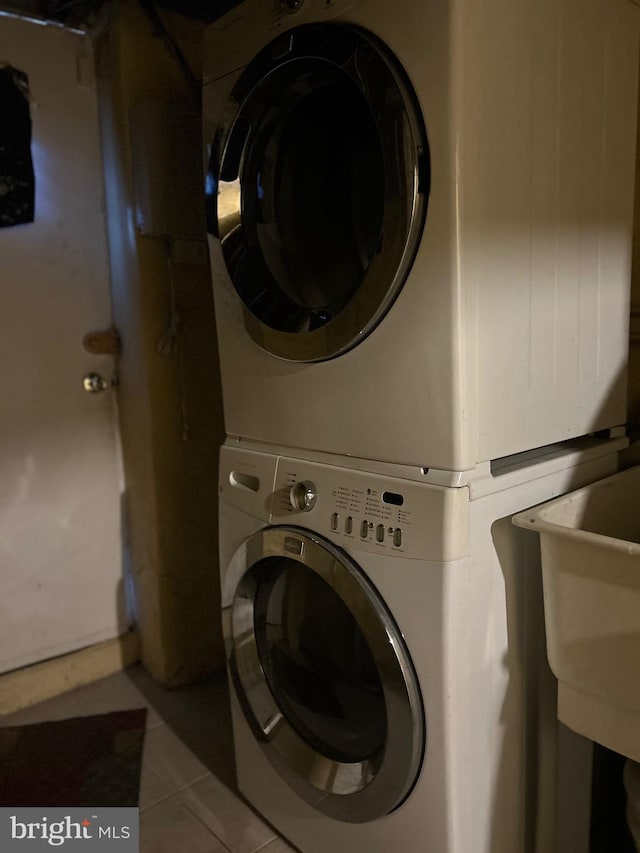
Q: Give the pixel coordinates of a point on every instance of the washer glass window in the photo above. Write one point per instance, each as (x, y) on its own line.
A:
(317, 662)
(318, 179)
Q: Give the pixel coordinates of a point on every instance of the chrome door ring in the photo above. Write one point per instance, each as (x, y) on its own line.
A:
(349, 791)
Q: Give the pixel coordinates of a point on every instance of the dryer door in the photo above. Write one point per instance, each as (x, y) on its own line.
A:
(317, 189)
(323, 675)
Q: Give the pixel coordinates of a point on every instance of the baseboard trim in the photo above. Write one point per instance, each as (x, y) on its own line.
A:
(32, 684)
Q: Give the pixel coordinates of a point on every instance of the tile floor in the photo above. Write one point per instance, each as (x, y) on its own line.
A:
(188, 796)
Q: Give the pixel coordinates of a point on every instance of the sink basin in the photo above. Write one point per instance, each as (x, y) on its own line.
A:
(590, 549)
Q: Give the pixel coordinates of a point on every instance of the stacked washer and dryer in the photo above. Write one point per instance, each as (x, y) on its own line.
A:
(420, 219)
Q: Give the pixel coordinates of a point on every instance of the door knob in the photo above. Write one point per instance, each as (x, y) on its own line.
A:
(93, 383)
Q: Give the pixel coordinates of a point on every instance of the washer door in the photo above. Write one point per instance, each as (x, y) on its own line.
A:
(317, 189)
(323, 676)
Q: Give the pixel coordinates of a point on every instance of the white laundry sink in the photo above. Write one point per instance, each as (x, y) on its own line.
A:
(590, 547)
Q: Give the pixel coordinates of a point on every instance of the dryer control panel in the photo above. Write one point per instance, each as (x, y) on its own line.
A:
(363, 511)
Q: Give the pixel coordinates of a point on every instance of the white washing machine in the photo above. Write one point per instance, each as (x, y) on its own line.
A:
(421, 219)
(389, 684)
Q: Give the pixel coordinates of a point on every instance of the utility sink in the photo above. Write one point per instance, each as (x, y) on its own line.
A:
(590, 548)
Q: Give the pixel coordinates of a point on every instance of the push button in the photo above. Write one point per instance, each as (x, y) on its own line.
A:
(348, 525)
(397, 537)
(364, 529)
(335, 518)
(380, 533)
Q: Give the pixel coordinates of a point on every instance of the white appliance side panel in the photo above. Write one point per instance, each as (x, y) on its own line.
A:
(547, 158)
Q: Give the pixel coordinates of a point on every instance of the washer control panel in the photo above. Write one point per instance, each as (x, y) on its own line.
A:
(368, 511)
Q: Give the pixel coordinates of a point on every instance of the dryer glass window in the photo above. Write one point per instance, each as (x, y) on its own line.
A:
(317, 662)
(315, 196)
(317, 189)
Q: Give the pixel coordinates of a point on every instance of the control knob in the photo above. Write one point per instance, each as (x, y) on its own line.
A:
(303, 496)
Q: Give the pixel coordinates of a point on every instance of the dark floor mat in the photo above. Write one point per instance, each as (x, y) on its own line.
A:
(84, 761)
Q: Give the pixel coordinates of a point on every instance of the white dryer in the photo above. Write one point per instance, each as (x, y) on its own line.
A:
(421, 219)
(386, 654)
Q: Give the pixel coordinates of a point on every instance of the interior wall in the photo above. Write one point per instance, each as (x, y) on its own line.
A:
(170, 401)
